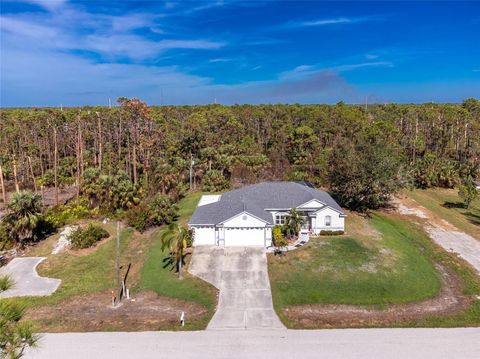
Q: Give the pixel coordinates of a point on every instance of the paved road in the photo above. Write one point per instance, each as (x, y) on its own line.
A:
(27, 281)
(461, 343)
(240, 273)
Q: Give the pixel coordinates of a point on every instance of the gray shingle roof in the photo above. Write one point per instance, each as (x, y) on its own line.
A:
(254, 199)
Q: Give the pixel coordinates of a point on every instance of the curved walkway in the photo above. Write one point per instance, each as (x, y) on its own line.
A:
(27, 281)
(245, 300)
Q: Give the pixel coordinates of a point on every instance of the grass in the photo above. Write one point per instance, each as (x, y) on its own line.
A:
(92, 270)
(446, 204)
(165, 282)
(382, 260)
(348, 270)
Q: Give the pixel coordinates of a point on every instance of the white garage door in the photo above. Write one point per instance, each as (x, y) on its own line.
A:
(204, 236)
(244, 236)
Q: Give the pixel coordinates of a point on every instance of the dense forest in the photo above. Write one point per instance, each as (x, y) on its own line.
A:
(131, 151)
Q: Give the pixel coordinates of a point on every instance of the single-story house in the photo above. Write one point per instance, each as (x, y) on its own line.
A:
(246, 216)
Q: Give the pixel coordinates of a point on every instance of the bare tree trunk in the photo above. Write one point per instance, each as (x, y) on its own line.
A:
(17, 187)
(33, 175)
(77, 176)
(55, 164)
(135, 163)
(100, 144)
(2, 184)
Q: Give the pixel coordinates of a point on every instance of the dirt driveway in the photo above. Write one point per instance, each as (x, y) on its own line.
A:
(241, 275)
(442, 232)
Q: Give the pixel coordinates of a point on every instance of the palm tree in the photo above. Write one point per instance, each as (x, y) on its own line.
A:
(15, 336)
(293, 223)
(24, 215)
(176, 239)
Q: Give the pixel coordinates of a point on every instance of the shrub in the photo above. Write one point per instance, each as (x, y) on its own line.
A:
(214, 181)
(138, 218)
(162, 210)
(5, 241)
(324, 232)
(85, 238)
(278, 238)
(65, 214)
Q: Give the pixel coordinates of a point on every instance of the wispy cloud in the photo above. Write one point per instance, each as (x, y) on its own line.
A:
(110, 36)
(329, 21)
(219, 59)
(476, 70)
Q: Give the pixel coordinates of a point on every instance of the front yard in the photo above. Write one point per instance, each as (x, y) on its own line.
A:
(82, 302)
(383, 272)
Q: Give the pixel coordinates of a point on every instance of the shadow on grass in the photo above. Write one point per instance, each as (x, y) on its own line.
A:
(453, 205)
(473, 218)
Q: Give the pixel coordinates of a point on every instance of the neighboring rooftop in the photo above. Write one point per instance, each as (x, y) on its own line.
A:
(254, 199)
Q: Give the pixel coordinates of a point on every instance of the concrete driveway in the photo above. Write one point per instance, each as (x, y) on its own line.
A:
(27, 281)
(240, 273)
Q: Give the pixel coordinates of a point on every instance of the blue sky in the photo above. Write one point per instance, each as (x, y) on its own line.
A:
(194, 52)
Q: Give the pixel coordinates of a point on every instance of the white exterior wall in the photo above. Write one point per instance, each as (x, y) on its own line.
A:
(337, 222)
(203, 235)
(244, 220)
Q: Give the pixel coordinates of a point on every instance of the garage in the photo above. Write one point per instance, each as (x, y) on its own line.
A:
(204, 235)
(244, 236)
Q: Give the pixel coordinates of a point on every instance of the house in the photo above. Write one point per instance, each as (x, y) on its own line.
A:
(245, 217)
(477, 185)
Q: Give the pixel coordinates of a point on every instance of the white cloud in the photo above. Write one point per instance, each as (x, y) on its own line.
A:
(48, 4)
(219, 59)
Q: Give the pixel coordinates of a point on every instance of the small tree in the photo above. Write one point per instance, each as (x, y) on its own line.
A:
(15, 337)
(293, 224)
(176, 239)
(24, 216)
(468, 191)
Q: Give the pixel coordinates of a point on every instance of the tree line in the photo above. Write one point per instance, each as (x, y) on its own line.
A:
(122, 154)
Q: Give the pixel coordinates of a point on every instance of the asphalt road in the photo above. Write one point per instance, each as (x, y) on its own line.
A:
(462, 343)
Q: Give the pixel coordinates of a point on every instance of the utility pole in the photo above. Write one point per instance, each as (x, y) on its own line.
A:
(192, 162)
(117, 258)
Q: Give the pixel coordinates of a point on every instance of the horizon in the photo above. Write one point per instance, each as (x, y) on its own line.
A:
(78, 53)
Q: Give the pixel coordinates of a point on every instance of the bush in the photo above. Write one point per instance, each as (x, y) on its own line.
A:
(278, 238)
(324, 232)
(85, 238)
(5, 241)
(65, 214)
(214, 181)
(138, 218)
(160, 210)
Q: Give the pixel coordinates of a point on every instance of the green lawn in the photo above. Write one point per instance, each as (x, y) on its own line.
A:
(165, 282)
(446, 204)
(351, 270)
(82, 274)
(92, 270)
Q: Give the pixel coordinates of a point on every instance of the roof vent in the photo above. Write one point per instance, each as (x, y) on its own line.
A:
(244, 217)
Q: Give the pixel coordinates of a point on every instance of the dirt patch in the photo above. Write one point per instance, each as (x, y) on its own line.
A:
(94, 312)
(410, 207)
(449, 301)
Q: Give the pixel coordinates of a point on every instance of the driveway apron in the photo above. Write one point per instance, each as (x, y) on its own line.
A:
(240, 273)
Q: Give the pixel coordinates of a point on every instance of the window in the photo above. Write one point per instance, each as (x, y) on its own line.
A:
(280, 218)
(328, 221)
